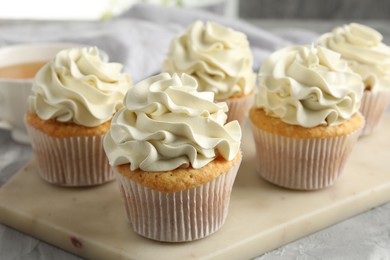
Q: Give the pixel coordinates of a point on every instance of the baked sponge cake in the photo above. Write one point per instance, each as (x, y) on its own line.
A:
(74, 98)
(220, 59)
(175, 158)
(306, 117)
(366, 54)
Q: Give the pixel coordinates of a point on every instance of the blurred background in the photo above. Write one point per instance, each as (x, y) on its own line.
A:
(268, 14)
(247, 9)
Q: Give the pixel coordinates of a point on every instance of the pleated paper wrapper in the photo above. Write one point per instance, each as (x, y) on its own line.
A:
(239, 108)
(302, 164)
(373, 108)
(70, 161)
(179, 216)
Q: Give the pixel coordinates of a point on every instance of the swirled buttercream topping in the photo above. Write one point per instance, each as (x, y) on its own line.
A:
(362, 47)
(218, 57)
(166, 123)
(77, 86)
(308, 86)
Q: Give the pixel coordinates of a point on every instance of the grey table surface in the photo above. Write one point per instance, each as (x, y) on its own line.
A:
(366, 236)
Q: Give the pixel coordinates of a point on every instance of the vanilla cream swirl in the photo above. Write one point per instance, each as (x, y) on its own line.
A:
(308, 86)
(362, 47)
(78, 86)
(166, 123)
(218, 57)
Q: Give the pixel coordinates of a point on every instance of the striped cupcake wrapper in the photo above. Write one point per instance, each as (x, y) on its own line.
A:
(302, 164)
(239, 108)
(373, 108)
(70, 161)
(180, 216)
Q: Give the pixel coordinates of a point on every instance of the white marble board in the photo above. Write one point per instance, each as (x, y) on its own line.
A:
(91, 222)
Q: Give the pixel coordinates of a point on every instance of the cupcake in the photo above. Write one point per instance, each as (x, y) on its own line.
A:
(174, 157)
(306, 117)
(220, 59)
(74, 98)
(362, 48)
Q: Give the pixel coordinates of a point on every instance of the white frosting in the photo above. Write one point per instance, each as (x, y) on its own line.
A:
(308, 86)
(166, 123)
(77, 86)
(362, 47)
(218, 57)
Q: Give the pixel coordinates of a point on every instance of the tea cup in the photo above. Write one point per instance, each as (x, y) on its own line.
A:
(15, 87)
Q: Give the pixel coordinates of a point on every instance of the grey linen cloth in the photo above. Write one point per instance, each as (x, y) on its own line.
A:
(139, 39)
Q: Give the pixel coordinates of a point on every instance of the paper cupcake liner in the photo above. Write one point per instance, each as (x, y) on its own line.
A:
(70, 161)
(302, 164)
(373, 108)
(239, 108)
(180, 216)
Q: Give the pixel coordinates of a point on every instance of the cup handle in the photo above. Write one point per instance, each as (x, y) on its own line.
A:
(3, 124)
